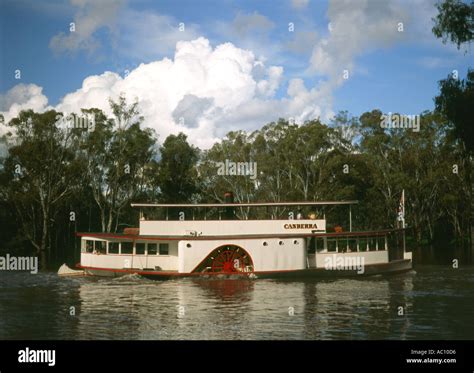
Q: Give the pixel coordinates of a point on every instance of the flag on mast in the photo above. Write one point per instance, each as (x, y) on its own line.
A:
(401, 209)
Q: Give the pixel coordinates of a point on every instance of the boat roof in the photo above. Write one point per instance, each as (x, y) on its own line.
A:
(345, 234)
(249, 204)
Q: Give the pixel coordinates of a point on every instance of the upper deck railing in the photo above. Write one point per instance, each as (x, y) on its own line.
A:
(249, 204)
(240, 211)
(297, 210)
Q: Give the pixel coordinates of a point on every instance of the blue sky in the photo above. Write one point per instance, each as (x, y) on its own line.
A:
(388, 69)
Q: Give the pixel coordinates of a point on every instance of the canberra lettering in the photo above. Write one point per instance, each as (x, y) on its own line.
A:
(300, 226)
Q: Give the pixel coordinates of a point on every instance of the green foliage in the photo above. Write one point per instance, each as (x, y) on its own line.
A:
(118, 155)
(38, 175)
(456, 103)
(455, 21)
(177, 174)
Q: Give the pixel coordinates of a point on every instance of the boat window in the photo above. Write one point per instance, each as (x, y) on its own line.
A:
(89, 246)
(342, 245)
(127, 248)
(393, 242)
(363, 244)
(140, 248)
(381, 243)
(352, 244)
(113, 247)
(320, 244)
(100, 247)
(152, 249)
(372, 244)
(332, 244)
(312, 245)
(164, 249)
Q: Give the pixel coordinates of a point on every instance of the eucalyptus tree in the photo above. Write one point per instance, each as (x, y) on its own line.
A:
(117, 153)
(276, 182)
(177, 170)
(455, 191)
(375, 147)
(455, 21)
(416, 161)
(231, 165)
(420, 170)
(40, 172)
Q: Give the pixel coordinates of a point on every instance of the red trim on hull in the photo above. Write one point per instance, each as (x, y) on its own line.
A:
(391, 269)
(177, 274)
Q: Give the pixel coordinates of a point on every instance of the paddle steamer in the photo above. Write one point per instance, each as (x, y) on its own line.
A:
(180, 240)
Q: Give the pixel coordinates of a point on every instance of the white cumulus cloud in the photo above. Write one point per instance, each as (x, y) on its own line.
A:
(21, 97)
(203, 91)
(206, 91)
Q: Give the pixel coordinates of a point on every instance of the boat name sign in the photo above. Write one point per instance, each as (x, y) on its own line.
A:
(300, 226)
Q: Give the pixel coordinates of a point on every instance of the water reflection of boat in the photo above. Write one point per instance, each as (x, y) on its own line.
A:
(222, 288)
(188, 240)
(245, 309)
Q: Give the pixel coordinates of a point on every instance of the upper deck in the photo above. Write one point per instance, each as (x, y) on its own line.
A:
(230, 227)
(183, 219)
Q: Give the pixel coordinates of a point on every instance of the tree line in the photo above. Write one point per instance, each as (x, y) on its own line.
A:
(56, 180)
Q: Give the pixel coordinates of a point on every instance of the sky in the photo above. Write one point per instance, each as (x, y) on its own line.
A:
(209, 67)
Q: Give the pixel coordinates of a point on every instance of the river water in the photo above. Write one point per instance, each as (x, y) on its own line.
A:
(431, 302)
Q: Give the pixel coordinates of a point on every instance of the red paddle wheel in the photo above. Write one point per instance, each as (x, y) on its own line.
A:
(229, 261)
(226, 259)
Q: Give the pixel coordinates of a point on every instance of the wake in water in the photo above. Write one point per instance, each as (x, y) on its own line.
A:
(132, 278)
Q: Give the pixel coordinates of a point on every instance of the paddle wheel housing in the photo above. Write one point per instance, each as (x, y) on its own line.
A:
(226, 259)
